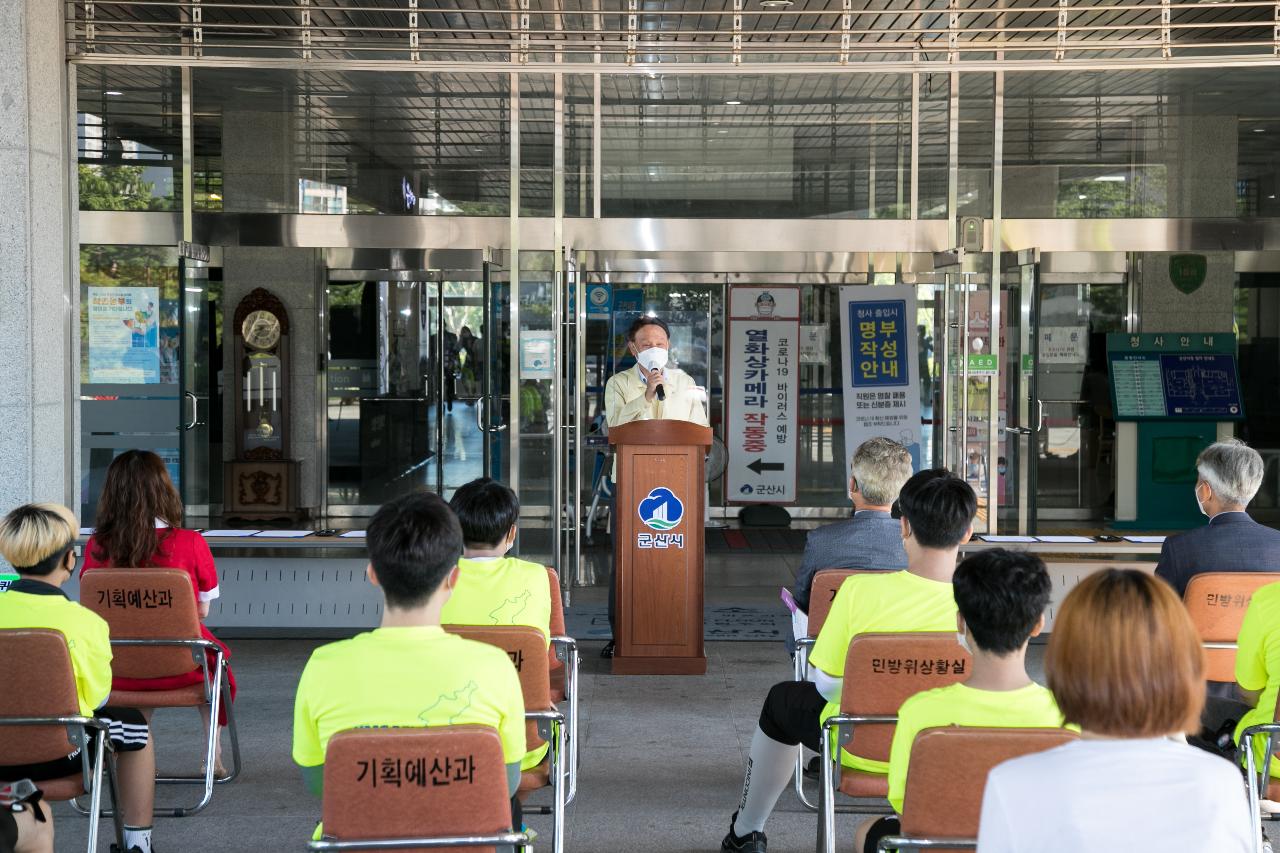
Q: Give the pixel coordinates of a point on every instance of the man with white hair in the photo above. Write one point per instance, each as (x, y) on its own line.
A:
(871, 538)
(1229, 474)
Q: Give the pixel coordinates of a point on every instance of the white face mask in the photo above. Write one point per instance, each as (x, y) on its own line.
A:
(654, 358)
(1200, 503)
(963, 641)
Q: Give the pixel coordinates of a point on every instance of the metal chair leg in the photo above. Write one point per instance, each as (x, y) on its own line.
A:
(95, 795)
(232, 733)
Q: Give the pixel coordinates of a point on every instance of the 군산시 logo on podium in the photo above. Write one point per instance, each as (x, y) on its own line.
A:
(661, 510)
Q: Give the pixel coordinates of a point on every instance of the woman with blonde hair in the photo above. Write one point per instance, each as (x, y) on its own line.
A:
(139, 525)
(1125, 664)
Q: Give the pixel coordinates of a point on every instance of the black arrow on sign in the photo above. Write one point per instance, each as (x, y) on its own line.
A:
(760, 465)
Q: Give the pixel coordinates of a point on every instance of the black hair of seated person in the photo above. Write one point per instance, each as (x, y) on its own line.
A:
(413, 542)
(487, 510)
(646, 320)
(1001, 595)
(939, 506)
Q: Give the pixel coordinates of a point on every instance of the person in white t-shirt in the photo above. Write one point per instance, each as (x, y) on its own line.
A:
(1125, 664)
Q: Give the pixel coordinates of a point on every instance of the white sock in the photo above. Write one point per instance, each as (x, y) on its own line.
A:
(137, 836)
(769, 768)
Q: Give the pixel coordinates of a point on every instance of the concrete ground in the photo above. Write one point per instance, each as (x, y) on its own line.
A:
(661, 758)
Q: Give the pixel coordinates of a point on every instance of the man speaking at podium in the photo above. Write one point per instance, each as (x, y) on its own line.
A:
(651, 390)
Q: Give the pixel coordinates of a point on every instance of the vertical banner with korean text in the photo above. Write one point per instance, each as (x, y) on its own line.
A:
(879, 341)
(762, 394)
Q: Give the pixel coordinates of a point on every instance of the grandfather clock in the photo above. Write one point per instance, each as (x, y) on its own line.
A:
(262, 481)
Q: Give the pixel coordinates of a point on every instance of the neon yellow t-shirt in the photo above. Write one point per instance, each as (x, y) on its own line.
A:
(1029, 707)
(501, 591)
(880, 602)
(418, 676)
(88, 639)
(1258, 662)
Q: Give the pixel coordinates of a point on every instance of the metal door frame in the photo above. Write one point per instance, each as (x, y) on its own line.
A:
(189, 418)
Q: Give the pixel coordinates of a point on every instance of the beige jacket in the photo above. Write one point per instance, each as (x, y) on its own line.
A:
(624, 400)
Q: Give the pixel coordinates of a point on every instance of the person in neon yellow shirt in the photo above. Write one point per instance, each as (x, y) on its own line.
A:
(38, 540)
(492, 588)
(409, 672)
(1001, 596)
(937, 517)
(1258, 665)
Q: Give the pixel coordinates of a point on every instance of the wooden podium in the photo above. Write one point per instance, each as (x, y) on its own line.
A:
(658, 546)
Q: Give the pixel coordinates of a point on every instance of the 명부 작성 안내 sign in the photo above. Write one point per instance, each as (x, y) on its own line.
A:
(882, 377)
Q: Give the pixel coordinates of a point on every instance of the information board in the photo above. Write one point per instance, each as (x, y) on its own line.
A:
(762, 393)
(1190, 376)
(878, 338)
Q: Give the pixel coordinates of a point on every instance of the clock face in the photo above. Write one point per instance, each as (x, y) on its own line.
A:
(261, 330)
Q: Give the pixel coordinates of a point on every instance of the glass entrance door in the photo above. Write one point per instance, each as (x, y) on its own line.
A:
(194, 348)
(493, 406)
(1056, 460)
(144, 369)
(1016, 464)
(970, 390)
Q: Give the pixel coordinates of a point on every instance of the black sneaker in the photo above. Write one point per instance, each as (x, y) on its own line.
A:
(752, 842)
(115, 848)
(813, 770)
(607, 651)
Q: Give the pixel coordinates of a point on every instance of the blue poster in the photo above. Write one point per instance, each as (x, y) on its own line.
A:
(1202, 386)
(124, 335)
(879, 353)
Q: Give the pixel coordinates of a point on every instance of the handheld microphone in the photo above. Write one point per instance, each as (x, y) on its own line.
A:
(661, 394)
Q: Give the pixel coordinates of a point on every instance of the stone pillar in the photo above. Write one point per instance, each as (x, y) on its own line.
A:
(1201, 182)
(39, 271)
(258, 177)
(257, 159)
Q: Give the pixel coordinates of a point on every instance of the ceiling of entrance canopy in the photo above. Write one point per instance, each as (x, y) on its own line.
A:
(686, 35)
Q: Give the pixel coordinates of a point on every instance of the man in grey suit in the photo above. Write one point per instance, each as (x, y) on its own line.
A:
(872, 538)
(1230, 473)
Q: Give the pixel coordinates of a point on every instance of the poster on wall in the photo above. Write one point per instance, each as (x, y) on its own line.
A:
(124, 335)
(878, 340)
(536, 354)
(762, 393)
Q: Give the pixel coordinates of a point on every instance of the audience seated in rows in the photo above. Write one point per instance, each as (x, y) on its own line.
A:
(1002, 597)
(1125, 664)
(871, 538)
(38, 540)
(139, 525)
(1229, 474)
(408, 671)
(937, 517)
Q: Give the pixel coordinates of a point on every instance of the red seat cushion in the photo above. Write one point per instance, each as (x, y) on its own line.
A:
(65, 788)
(859, 783)
(182, 697)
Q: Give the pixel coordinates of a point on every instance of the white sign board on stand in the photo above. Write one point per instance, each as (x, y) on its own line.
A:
(881, 369)
(762, 387)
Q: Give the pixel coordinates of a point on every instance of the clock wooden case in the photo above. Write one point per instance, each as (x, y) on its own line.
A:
(261, 482)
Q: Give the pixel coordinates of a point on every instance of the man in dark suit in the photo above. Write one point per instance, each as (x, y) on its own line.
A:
(1230, 473)
(872, 538)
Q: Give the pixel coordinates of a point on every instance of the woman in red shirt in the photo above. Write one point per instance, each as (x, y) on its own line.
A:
(139, 522)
